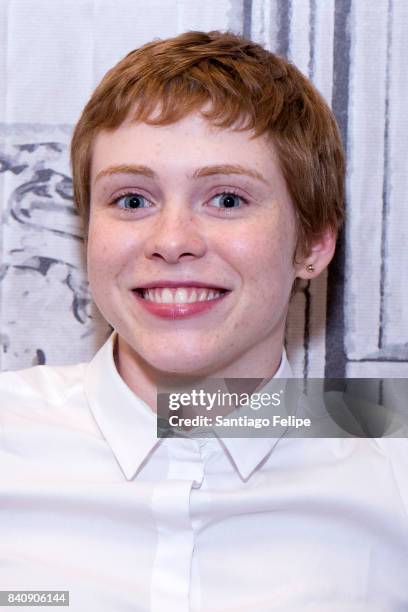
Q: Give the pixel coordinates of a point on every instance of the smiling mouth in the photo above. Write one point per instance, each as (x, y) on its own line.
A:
(180, 295)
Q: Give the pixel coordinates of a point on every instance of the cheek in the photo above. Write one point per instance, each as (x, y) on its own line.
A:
(105, 253)
(108, 240)
(263, 253)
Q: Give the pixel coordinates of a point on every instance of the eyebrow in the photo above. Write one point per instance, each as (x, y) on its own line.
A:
(228, 169)
(126, 169)
(205, 171)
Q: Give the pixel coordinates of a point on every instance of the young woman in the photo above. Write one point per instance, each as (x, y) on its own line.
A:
(209, 174)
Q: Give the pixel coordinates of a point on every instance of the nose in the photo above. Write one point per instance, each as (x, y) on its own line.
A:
(175, 235)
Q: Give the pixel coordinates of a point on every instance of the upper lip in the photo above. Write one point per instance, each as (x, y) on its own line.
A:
(180, 283)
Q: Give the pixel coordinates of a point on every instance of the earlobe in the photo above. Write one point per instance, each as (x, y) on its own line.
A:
(320, 254)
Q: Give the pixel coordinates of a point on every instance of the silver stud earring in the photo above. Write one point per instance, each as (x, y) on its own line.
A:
(310, 268)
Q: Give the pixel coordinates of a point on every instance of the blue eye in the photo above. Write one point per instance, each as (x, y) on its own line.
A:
(131, 201)
(229, 200)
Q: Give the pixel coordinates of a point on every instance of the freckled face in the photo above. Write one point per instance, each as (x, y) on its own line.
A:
(192, 203)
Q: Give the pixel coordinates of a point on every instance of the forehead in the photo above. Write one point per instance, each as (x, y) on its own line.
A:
(182, 147)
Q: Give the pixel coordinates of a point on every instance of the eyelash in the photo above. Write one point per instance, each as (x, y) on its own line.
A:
(244, 200)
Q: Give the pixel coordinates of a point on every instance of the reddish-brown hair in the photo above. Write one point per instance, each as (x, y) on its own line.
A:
(247, 87)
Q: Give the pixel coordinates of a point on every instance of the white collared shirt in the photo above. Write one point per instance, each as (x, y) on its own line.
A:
(92, 502)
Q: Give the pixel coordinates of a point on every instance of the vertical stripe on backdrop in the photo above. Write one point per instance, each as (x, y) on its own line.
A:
(386, 180)
(284, 16)
(335, 349)
(312, 37)
(247, 18)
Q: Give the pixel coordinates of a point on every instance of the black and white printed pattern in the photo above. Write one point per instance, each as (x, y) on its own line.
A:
(47, 314)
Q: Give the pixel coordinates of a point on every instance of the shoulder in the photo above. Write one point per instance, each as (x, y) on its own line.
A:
(44, 395)
(40, 384)
(396, 453)
(47, 428)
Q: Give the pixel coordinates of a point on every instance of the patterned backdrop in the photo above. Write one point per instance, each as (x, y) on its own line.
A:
(352, 320)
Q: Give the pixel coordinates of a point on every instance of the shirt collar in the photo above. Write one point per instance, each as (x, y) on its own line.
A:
(130, 427)
(126, 422)
(248, 453)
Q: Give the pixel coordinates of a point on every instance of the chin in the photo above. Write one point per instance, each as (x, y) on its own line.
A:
(182, 365)
(187, 355)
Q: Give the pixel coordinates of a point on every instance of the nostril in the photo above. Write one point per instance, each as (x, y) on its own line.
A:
(156, 254)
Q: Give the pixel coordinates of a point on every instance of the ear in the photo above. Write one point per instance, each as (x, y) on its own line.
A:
(320, 254)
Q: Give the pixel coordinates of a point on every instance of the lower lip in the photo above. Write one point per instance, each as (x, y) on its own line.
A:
(178, 311)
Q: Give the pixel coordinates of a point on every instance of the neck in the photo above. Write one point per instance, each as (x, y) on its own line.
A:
(144, 379)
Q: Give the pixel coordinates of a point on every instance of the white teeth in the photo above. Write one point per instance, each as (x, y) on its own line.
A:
(153, 295)
(181, 295)
(166, 296)
(192, 297)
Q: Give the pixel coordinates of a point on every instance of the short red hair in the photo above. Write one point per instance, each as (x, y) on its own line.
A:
(246, 86)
